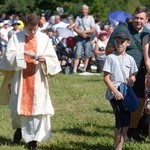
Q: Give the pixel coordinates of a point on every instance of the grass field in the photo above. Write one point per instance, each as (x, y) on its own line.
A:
(83, 119)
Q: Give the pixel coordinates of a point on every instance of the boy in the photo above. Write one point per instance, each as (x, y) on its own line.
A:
(117, 63)
(137, 31)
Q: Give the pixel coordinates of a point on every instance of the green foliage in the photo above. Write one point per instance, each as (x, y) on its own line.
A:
(146, 3)
(18, 6)
(83, 119)
(132, 4)
(100, 7)
(103, 7)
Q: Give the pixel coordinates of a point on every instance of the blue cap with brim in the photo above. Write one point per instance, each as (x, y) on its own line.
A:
(15, 22)
(122, 34)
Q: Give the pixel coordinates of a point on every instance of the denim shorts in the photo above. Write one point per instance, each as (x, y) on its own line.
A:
(83, 48)
(122, 117)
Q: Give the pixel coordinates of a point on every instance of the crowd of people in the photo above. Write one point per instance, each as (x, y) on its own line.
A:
(52, 25)
(35, 46)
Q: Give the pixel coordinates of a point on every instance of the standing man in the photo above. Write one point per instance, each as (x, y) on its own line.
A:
(15, 24)
(137, 32)
(4, 35)
(59, 23)
(32, 57)
(84, 26)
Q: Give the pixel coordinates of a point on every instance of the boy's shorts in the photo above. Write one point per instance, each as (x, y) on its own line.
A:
(122, 117)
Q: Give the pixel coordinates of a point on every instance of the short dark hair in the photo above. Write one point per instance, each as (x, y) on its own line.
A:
(141, 9)
(32, 19)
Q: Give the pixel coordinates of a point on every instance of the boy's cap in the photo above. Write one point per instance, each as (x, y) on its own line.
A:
(122, 34)
(15, 22)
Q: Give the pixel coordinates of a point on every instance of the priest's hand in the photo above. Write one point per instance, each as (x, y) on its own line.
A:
(29, 53)
(41, 58)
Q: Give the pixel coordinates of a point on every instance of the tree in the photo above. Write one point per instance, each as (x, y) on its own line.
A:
(100, 7)
(18, 6)
(146, 3)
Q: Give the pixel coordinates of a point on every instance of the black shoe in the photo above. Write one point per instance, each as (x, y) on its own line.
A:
(32, 145)
(133, 134)
(17, 136)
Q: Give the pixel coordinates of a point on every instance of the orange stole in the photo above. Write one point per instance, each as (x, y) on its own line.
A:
(29, 78)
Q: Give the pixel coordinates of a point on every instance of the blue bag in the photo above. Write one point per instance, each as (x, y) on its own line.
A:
(130, 101)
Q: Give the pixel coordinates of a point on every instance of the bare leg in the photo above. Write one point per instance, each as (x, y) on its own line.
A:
(86, 61)
(63, 62)
(76, 63)
(119, 137)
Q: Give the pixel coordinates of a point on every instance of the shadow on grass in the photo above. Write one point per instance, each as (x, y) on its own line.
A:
(91, 133)
(95, 80)
(88, 130)
(85, 146)
(104, 111)
(5, 141)
(78, 146)
(54, 147)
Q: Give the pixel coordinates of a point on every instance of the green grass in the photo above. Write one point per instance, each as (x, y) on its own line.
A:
(83, 119)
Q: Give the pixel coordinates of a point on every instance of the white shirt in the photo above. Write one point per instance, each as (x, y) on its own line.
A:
(4, 34)
(60, 24)
(114, 65)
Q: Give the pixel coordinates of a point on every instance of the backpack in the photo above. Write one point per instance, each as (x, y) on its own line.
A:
(130, 101)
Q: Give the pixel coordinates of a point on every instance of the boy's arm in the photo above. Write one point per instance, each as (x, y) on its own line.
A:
(117, 94)
(131, 80)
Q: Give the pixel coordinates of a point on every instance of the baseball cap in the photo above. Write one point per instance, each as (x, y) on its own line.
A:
(52, 17)
(50, 30)
(103, 32)
(6, 22)
(15, 22)
(122, 34)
